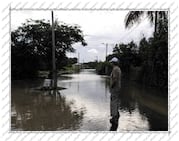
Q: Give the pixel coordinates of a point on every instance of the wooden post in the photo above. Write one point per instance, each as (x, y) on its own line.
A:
(54, 72)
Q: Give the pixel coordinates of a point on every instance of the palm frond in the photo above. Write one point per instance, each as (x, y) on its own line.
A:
(151, 16)
(133, 17)
(163, 14)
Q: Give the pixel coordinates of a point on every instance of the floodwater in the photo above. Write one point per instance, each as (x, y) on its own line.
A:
(85, 106)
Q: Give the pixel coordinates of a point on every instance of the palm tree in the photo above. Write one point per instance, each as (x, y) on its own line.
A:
(154, 16)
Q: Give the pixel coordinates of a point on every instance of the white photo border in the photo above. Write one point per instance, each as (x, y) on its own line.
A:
(7, 134)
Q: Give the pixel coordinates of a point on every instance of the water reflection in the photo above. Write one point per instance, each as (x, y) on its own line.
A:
(114, 110)
(142, 108)
(36, 112)
(85, 106)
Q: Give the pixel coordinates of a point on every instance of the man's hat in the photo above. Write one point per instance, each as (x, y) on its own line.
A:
(114, 59)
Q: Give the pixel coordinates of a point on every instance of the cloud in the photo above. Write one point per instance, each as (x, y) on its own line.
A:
(93, 51)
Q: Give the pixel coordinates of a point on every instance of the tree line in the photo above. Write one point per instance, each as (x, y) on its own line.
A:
(150, 57)
(31, 47)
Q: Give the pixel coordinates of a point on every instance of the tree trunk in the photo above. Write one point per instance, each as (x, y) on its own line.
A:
(156, 19)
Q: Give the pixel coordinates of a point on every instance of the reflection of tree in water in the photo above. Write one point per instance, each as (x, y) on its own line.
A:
(39, 112)
(158, 122)
(149, 105)
(155, 111)
(127, 100)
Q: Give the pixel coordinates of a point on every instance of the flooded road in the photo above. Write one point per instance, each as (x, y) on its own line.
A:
(85, 106)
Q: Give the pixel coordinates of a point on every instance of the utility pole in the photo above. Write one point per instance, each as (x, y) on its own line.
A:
(54, 72)
(106, 68)
(78, 57)
(106, 51)
(106, 44)
(96, 58)
(78, 61)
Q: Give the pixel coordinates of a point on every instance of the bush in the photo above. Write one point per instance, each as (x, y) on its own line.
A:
(104, 68)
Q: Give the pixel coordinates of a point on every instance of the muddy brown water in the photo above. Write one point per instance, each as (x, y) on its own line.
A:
(85, 105)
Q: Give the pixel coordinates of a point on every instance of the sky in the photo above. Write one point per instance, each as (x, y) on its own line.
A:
(99, 28)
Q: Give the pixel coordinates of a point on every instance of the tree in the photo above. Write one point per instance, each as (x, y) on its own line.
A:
(72, 61)
(154, 16)
(31, 45)
(154, 51)
(154, 55)
(127, 54)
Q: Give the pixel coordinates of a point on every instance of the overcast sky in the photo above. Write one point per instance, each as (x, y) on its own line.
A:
(97, 26)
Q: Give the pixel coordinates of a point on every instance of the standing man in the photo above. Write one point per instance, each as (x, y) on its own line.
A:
(115, 87)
